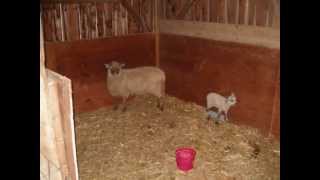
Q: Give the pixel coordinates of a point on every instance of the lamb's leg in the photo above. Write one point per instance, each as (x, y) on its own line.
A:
(226, 114)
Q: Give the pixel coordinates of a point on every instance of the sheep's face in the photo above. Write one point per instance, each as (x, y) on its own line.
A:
(114, 68)
(232, 100)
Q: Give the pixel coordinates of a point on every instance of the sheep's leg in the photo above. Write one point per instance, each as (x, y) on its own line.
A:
(161, 95)
(160, 104)
(115, 107)
(124, 104)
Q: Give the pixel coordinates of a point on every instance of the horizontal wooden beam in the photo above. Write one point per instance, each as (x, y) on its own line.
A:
(75, 1)
(261, 36)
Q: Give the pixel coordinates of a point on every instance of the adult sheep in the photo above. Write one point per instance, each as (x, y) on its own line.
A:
(135, 81)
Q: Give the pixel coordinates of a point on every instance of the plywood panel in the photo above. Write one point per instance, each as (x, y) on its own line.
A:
(83, 62)
(196, 66)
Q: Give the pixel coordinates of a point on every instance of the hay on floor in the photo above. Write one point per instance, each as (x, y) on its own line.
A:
(141, 142)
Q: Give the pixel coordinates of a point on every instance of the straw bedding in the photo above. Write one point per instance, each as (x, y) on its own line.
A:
(140, 144)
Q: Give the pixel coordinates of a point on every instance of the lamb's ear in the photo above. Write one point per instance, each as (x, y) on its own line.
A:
(232, 94)
(122, 65)
(107, 66)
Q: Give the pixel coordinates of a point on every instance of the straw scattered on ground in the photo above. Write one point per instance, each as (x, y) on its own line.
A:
(140, 144)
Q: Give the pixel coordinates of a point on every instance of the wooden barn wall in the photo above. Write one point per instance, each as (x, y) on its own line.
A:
(196, 66)
(83, 62)
(91, 19)
(264, 13)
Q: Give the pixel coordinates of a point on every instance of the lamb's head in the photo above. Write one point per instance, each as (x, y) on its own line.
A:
(114, 68)
(232, 100)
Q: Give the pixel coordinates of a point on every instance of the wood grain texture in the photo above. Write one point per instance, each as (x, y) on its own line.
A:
(261, 36)
(275, 122)
(57, 143)
(83, 62)
(196, 66)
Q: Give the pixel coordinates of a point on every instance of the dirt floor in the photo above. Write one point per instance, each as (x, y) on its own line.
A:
(140, 144)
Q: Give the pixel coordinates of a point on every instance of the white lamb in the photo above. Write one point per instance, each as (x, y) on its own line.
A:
(222, 103)
(135, 81)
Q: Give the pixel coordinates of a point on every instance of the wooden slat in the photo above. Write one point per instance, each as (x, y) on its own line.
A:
(276, 14)
(252, 12)
(62, 22)
(208, 10)
(232, 8)
(261, 10)
(65, 21)
(73, 19)
(218, 11)
(46, 16)
(108, 19)
(82, 28)
(100, 26)
(237, 12)
(242, 10)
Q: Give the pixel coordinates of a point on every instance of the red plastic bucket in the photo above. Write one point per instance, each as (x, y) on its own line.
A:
(184, 158)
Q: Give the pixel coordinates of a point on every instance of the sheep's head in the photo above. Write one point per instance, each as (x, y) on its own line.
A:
(232, 100)
(114, 68)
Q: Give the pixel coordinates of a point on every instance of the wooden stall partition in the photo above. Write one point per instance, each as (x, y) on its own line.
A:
(83, 62)
(57, 139)
(259, 36)
(275, 122)
(195, 66)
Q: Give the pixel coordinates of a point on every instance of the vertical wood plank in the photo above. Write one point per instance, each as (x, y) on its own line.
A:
(82, 21)
(73, 19)
(108, 8)
(100, 20)
(61, 10)
(225, 14)
(66, 27)
(237, 12)
(261, 11)
(208, 10)
(232, 10)
(252, 11)
(216, 13)
(242, 7)
(47, 25)
(57, 18)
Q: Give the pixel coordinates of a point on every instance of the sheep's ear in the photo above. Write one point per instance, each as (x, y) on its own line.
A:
(232, 94)
(107, 66)
(122, 65)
